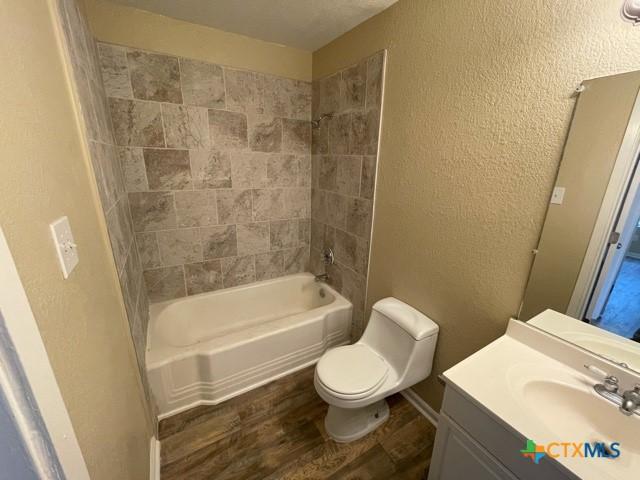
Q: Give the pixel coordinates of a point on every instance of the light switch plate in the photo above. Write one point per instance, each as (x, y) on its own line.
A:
(557, 197)
(66, 247)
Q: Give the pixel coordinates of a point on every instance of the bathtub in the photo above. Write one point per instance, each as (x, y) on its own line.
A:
(207, 348)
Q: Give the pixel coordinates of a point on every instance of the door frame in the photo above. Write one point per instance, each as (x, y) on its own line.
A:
(614, 255)
(608, 215)
(26, 377)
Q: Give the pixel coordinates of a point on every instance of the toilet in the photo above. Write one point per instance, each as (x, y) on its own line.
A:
(394, 353)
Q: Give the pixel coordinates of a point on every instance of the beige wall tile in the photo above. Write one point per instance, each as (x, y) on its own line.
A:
(178, 247)
(133, 169)
(245, 91)
(238, 271)
(115, 71)
(211, 168)
(349, 170)
(202, 83)
(165, 283)
(296, 260)
(227, 129)
(368, 179)
(253, 238)
(196, 208)
(185, 126)
(284, 234)
(268, 204)
(282, 170)
(249, 169)
(375, 66)
(167, 169)
(234, 206)
(136, 124)
(148, 249)
(353, 87)
(219, 242)
(296, 136)
(359, 217)
(152, 211)
(154, 77)
(339, 129)
(203, 277)
(265, 133)
(269, 265)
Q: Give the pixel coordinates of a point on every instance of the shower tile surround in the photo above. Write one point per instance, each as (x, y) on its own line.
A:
(228, 183)
(217, 169)
(110, 181)
(344, 162)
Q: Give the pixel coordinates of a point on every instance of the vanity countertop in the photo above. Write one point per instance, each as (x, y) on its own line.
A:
(549, 400)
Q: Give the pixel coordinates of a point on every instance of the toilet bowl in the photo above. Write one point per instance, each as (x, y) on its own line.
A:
(394, 353)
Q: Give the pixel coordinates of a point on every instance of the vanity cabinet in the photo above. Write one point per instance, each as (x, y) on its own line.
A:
(473, 444)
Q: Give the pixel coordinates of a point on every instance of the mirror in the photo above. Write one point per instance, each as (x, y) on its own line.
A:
(584, 284)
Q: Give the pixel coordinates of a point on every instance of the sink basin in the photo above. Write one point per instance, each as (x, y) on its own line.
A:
(590, 417)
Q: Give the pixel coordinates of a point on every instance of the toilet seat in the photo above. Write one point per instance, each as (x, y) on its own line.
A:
(352, 372)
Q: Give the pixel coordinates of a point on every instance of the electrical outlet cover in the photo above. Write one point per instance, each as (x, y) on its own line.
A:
(66, 248)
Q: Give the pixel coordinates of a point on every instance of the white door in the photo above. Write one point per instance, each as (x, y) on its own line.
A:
(620, 239)
(37, 440)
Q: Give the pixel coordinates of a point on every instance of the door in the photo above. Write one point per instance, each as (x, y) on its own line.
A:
(37, 438)
(616, 250)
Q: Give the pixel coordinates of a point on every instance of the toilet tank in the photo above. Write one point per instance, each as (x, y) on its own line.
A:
(405, 337)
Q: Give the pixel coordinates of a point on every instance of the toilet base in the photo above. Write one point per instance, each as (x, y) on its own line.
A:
(348, 424)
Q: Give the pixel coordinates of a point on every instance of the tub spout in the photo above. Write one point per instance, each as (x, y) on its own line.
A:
(323, 277)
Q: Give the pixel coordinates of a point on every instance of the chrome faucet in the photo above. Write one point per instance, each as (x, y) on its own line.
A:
(628, 402)
(327, 259)
(323, 277)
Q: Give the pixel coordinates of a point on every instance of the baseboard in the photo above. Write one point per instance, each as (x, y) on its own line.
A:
(423, 407)
(154, 459)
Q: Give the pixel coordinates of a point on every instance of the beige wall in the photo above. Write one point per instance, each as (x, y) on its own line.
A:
(597, 129)
(477, 105)
(43, 175)
(128, 26)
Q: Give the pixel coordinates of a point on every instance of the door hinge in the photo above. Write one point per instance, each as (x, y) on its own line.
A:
(614, 238)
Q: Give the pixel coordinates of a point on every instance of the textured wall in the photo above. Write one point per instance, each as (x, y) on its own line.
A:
(345, 149)
(46, 173)
(218, 168)
(92, 101)
(122, 25)
(476, 109)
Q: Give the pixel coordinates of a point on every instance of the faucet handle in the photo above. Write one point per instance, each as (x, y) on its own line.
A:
(611, 383)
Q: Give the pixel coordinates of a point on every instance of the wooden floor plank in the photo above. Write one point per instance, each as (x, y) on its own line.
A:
(277, 432)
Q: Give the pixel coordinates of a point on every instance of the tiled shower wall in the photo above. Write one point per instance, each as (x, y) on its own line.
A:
(345, 152)
(91, 97)
(217, 167)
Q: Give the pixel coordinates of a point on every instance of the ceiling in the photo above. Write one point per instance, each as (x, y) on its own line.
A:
(304, 24)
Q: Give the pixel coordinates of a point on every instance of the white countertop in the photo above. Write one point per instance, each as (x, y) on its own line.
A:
(495, 376)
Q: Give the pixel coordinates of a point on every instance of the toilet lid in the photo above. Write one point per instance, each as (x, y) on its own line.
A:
(352, 370)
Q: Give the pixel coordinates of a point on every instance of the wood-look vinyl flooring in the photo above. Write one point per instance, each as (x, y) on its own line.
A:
(277, 432)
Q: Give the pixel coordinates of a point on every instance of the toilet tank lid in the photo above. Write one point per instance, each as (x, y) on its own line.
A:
(415, 323)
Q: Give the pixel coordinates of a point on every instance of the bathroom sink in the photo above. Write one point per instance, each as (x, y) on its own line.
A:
(536, 385)
(586, 415)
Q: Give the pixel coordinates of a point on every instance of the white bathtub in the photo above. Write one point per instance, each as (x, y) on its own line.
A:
(207, 348)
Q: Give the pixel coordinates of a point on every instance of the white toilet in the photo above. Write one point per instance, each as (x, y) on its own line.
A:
(394, 353)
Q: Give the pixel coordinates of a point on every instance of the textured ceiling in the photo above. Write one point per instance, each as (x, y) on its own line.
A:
(305, 24)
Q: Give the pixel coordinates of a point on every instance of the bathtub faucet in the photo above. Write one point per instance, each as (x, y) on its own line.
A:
(323, 277)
